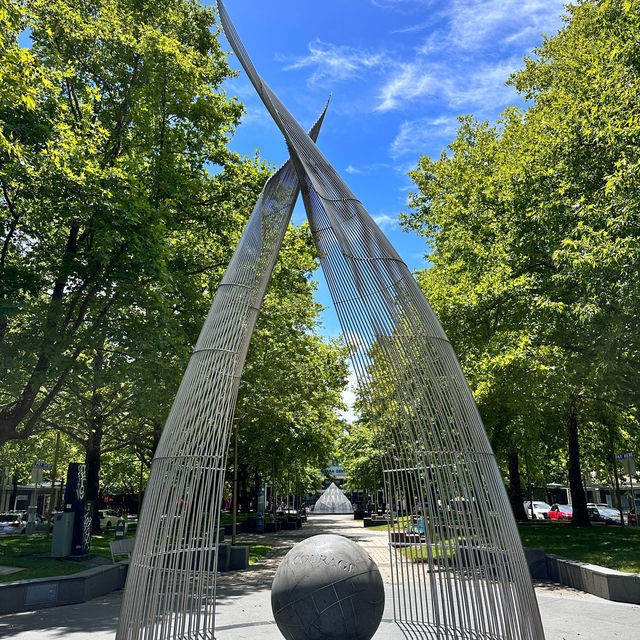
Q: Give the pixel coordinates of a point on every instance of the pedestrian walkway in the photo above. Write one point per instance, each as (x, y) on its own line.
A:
(244, 604)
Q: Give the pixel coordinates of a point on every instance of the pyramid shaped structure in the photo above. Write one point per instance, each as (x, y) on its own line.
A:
(333, 500)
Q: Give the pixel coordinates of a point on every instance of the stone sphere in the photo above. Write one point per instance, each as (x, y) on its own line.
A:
(327, 586)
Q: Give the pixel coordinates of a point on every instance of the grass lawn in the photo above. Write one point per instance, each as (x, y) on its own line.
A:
(378, 527)
(227, 518)
(397, 525)
(609, 546)
(421, 553)
(256, 551)
(32, 554)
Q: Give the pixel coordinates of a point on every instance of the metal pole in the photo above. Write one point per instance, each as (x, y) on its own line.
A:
(54, 474)
(140, 481)
(633, 500)
(618, 500)
(235, 485)
(531, 487)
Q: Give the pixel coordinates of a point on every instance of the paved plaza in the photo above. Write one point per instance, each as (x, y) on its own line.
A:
(244, 606)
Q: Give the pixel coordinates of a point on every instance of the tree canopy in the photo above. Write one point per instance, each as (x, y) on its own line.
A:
(120, 207)
(290, 391)
(107, 187)
(534, 229)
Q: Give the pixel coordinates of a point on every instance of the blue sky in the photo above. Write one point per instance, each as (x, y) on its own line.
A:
(400, 72)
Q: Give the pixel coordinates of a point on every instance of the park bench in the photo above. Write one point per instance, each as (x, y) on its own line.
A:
(122, 547)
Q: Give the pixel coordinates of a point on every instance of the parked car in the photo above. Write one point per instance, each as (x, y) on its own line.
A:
(15, 523)
(561, 512)
(607, 514)
(540, 510)
(108, 518)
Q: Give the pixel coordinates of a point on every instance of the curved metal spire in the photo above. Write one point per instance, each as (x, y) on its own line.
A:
(171, 584)
(458, 566)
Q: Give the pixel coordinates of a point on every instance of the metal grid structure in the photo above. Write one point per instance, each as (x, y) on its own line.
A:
(448, 506)
(458, 566)
(170, 588)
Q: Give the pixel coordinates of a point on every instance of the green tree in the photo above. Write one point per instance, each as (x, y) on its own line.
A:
(18, 456)
(534, 232)
(112, 219)
(290, 392)
(361, 458)
(22, 80)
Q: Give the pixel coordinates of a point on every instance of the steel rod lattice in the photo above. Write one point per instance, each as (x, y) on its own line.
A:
(170, 588)
(442, 483)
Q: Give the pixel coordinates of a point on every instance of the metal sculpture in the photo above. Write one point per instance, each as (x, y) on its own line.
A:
(333, 500)
(171, 584)
(458, 567)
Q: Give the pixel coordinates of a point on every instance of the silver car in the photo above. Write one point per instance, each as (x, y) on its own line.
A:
(540, 510)
(15, 523)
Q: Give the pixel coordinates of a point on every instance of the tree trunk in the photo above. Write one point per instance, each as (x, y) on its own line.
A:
(157, 433)
(256, 487)
(244, 494)
(14, 492)
(13, 415)
(578, 498)
(614, 463)
(273, 490)
(515, 486)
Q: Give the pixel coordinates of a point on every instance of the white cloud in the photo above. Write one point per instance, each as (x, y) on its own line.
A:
(459, 87)
(257, 116)
(414, 135)
(404, 169)
(420, 26)
(471, 49)
(409, 81)
(442, 67)
(334, 63)
(385, 221)
(470, 24)
(401, 4)
(483, 86)
(369, 169)
(476, 23)
(349, 399)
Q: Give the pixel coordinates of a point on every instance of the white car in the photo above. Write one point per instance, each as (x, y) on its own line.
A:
(540, 510)
(108, 518)
(15, 523)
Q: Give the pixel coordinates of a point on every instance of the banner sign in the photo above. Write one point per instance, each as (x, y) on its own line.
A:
(75, 499)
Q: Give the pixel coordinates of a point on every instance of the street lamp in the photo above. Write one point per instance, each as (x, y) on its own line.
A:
(531, 486)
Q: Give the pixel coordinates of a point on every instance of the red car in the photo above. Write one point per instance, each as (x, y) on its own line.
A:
(561, 512)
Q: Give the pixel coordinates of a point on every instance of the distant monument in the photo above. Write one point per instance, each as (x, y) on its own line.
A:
(333, 500)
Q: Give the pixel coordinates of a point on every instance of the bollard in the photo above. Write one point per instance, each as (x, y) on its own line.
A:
(121, 529)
